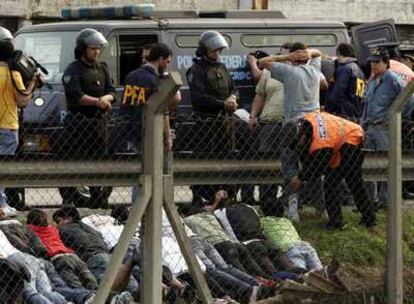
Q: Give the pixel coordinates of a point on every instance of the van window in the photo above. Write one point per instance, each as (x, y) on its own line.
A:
(130, 52)
(110, 57)
(260, 40)
(54, 50)
(191, 41)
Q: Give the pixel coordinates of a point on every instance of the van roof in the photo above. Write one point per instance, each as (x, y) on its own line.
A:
(107, 26)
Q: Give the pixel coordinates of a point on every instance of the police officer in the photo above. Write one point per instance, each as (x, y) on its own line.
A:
(13, 94)
(330, 145)
(139, 85)
(213, 95)
(89, 95)
(211, 86)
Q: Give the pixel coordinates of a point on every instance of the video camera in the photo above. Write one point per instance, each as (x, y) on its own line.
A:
(28, 68)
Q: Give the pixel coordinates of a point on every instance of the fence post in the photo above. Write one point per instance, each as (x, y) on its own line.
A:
(395, 293)
(153, 164)
(151, 201)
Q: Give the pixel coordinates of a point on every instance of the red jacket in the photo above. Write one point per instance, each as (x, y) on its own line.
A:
(51, 239)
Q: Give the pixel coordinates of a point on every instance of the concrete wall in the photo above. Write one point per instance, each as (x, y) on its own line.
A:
(347, 10)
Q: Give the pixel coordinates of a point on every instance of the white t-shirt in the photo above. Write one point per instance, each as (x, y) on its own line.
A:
(6, 248)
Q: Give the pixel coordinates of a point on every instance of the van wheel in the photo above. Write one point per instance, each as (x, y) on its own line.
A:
(85, 196)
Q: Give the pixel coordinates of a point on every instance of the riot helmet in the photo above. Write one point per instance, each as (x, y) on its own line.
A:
(5, 34)
(213, 40)
(88, 37)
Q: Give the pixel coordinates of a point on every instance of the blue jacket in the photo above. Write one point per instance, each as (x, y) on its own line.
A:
(346, 92)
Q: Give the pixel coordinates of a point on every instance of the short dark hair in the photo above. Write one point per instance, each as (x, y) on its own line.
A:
(37, 217)
(345, 49)
(259, 54)
(297, 46)
(158, 51)
(120, 213)
(66, 212)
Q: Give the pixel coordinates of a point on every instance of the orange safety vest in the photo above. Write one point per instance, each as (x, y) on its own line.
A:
(330, 131)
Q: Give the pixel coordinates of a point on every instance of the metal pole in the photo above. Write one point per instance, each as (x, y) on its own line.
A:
(153, 165)
(152, 219)
(394, 216)
(121, 248)
(183, 241)
(395, 291)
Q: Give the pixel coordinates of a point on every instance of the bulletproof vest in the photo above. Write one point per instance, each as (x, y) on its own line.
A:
(218, 81)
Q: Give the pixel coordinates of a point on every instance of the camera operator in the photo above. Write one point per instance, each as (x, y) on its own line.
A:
(13, 94)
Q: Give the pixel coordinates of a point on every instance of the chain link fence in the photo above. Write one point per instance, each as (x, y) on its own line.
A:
(269, 217)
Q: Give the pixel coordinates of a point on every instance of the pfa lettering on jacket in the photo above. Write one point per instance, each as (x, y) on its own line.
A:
(135, 95)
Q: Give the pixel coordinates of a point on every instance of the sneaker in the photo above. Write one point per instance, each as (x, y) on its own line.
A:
(90, 299)
(253, 294)
(292, 212)
(122, 298)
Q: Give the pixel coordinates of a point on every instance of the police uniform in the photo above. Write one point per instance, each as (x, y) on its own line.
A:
(210, 85)
(86, 125)
(139, 85)
(333, 150)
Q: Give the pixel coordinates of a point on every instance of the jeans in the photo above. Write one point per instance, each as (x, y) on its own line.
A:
(290, 168)
(75, 272)
(303, 256)
(40, 289)
(207, 254)
(376, 138)
(75, 295)
(9, 141)
(98, 264)
(234, 287)
(133, 247)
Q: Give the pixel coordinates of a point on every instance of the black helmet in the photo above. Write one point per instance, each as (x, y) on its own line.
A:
(5, 34)
(213, 40)
(89, 36)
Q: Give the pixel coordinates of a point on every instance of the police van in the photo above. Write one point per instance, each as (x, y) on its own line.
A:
(128, 29)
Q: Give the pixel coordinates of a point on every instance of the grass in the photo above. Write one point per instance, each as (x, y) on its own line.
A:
(355, 244)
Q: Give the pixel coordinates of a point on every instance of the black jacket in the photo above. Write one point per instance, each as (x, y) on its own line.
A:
(210, 84)
(84, 240)
(345, 94)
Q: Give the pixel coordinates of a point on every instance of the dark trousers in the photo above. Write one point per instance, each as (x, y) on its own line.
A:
(350, 169)
(233, 286)
(239, 256)
(268, 256)
(75, 272)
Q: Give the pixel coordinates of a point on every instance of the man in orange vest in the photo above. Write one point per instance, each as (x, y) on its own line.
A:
(331, 146)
